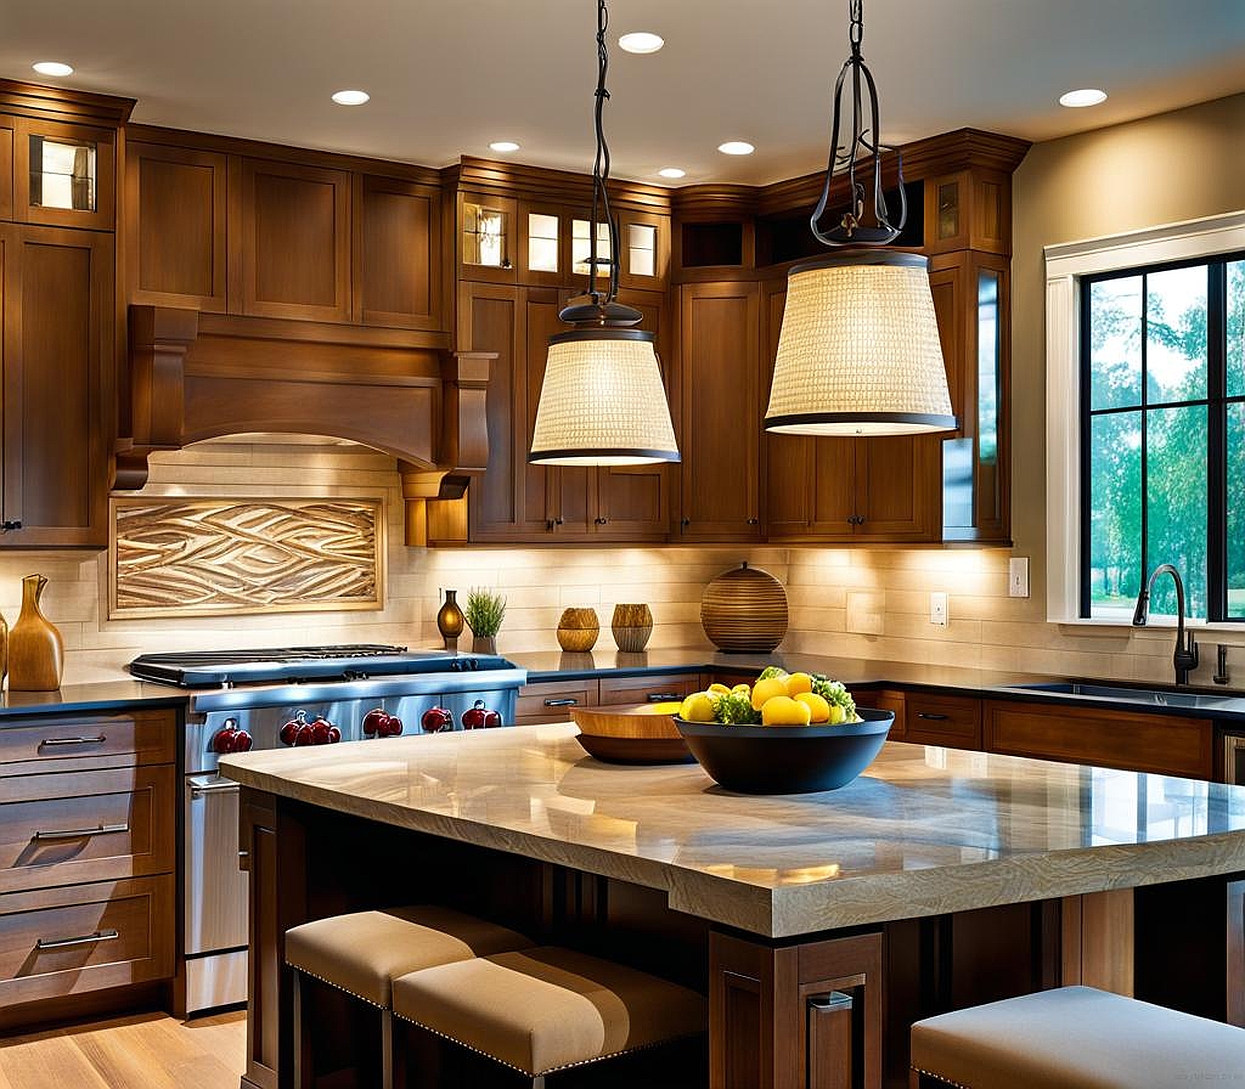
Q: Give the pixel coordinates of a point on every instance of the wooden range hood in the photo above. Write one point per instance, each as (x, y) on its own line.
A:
(195, 376)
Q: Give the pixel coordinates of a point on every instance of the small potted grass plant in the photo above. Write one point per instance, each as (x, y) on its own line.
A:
(485, 611)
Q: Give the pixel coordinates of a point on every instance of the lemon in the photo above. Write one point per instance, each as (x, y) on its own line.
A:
(799, 682)
(817, 705)
(719, 689)
(671, 708)
(698, 707)
(766, 690)
(742, 690)
(837, 715)
(784, 711)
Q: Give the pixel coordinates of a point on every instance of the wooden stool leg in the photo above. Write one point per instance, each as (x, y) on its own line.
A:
(302, 1038)
(386, 1049)
(538, 1082)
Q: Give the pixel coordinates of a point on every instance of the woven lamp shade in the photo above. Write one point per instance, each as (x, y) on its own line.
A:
(602, 402)
(859, 352)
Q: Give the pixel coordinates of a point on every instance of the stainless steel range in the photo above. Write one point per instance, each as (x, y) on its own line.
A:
(272, 699)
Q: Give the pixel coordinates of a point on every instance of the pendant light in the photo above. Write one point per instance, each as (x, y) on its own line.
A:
(602, 401)
(859, 352)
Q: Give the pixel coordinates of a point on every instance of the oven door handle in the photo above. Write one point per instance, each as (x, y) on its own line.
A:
(212, 785)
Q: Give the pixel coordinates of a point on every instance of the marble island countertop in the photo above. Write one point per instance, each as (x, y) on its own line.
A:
(923, 831)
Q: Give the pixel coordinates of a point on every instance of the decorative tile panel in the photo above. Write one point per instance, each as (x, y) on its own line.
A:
(203, 557)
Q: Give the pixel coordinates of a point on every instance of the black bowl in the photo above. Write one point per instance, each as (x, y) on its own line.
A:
(786, 759)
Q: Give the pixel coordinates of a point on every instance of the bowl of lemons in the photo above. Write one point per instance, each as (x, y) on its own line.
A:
(789, 733)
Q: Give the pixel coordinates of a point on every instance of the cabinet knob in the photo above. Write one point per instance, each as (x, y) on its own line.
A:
(754, 521)
(685, 523)
(10, 524)
(602, 521)
(552, 523)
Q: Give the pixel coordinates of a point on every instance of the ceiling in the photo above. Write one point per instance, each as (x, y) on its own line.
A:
(447, 77)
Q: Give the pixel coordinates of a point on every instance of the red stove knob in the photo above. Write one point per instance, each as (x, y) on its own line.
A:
(320, 731)
(223, 739)
(242, 741)
(479, 717)
(289, 732)
(436, 719)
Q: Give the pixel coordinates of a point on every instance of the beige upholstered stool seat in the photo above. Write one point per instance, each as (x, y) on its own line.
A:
(1076, 1038)
(539, 1010)
(361, 953)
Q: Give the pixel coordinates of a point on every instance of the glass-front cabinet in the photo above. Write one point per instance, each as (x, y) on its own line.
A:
(64, 174)
(486, 241)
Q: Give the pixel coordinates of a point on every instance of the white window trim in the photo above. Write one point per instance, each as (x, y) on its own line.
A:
(1066, 263)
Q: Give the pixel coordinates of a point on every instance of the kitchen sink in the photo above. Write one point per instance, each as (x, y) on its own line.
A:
(1154, 696)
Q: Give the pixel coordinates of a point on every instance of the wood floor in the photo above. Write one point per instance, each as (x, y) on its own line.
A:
(145, 1051)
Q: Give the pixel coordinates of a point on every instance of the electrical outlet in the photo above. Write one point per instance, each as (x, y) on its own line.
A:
(1018, 576)
(938, 609)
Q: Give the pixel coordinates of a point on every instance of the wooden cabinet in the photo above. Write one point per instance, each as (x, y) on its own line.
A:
(398, 258)
(1163, 744)
(64, 175)
(954, 721)
(289, 229)
(175, 226)
(58, 379)
(6, 168)
(719, 379)
(487, 238)
(888, 700)
(844, 489)
(88, 823)
(649, 688)
(553, 701)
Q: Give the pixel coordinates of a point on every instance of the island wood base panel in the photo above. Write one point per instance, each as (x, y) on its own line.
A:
(828, 1011)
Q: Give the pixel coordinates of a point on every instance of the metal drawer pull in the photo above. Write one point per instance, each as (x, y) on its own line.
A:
(663, 697)
(569, 702)
(931, 717)
(220, 786)
(49, 742)
(82, 833)
(86, 939)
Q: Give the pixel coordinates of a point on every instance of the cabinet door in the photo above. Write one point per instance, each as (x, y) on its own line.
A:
(58, 310)
(897, 488)
(489, 321)
(64, 174)
(292, 239)
(834, 489)
(175, 226)
(397, 254)
(544, 245)
(644, 250)
(487, 238)
(788, 459)
(6, 172)
(719, 346)
(633, 503)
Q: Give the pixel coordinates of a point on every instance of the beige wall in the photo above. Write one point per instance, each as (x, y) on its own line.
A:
(1177, 166)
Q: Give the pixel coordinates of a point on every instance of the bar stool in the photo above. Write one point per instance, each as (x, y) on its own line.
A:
(361, 953)
(1075, 1038)
(541, 1010)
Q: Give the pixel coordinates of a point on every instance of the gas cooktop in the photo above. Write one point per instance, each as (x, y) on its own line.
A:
(214, 668)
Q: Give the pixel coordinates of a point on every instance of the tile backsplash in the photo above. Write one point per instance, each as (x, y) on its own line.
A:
(889, 589)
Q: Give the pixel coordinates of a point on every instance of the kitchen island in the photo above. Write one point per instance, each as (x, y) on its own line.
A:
(937, 879)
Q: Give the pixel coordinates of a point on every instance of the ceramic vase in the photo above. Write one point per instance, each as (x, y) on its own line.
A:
(632, 626)
(450, 620)
(36, 651)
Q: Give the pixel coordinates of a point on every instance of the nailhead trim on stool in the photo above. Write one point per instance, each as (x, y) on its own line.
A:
(1076, 1038)
(361, 953)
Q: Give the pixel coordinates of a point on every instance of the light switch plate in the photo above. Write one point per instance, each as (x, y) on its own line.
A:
(1018, 576)
(938, 609)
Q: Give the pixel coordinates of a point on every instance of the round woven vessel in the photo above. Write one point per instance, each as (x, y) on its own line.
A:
(632, 626)
(744, 611)
(578, 630)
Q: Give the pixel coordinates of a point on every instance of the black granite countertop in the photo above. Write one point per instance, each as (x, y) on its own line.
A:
(93, 697)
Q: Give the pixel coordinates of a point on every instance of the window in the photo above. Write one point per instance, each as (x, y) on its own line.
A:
(1162, 395)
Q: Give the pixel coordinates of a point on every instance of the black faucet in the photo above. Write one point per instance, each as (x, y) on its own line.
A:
(1185, 657)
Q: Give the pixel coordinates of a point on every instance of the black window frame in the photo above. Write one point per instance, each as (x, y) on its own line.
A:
(1217, 402)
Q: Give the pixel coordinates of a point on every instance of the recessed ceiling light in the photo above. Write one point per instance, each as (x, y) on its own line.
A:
(641, 41)
(350, 98)
(736, 147)
(53, 68)
(504, 145)
(672, 172)
(1087, 96)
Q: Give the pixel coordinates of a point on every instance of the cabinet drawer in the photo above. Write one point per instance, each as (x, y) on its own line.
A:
(1165, 744)
(648, 689)
(954, 721)
(892, 701)
(68, 941)
(88, 826)
(54, 744)
(552, 701)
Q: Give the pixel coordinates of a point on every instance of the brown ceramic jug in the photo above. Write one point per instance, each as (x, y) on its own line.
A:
(36, 652)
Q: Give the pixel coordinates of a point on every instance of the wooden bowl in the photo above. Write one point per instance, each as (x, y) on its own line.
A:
(630, 735)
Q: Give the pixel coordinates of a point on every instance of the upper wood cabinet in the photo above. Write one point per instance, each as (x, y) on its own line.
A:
(398, 270)
(487, 238)
(64, 174)
(290, 241)
(6, 168)
(719, 379)
(58, 385)
(175, 226)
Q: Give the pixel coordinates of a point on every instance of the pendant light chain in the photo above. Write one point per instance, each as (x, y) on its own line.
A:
(601, 170)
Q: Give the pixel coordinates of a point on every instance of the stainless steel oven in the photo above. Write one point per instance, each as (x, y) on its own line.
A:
(266, 700)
